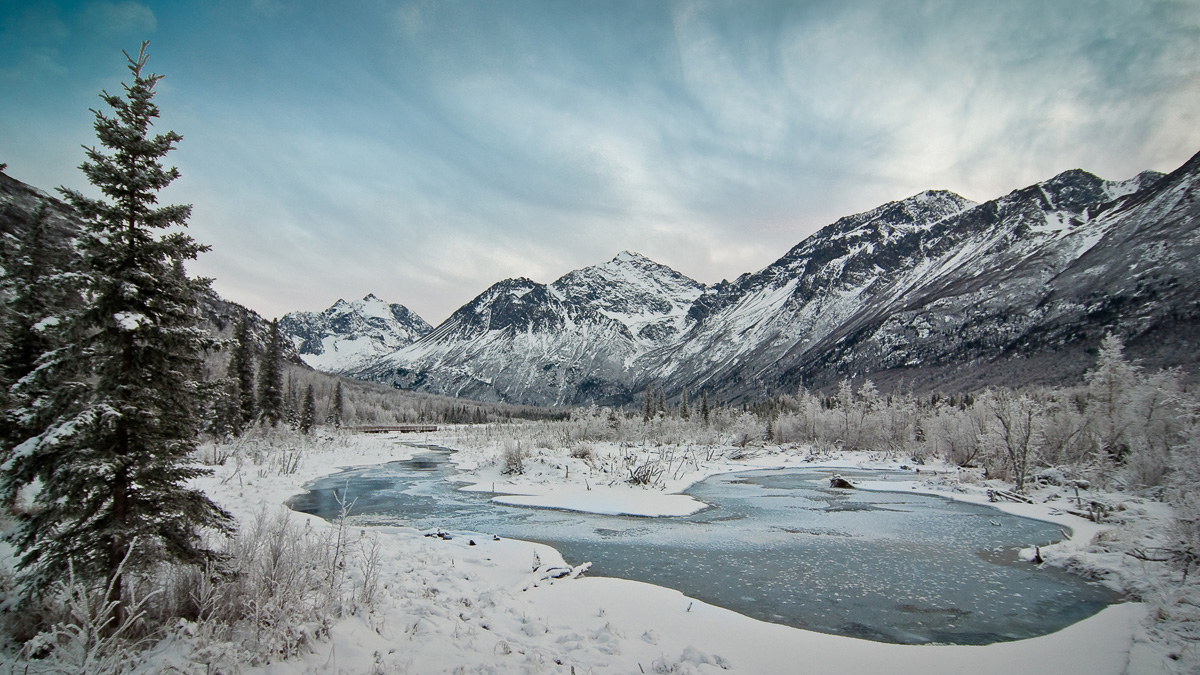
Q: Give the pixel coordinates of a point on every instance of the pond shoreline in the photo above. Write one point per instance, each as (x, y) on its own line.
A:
(596, 623)
(906, 568)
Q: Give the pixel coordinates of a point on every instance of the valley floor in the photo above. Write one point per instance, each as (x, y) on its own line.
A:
(445, 605)
(451, 607)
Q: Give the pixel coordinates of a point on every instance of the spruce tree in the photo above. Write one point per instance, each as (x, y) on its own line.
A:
(223, 418)
(114, 462)
(241, 371)
(40, 284)
(270, 379)
(308, 411)
(291, 403)
(338, 409)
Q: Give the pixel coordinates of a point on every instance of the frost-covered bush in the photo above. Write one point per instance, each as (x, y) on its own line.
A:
(281, 589)
(584, 451)
(513, 458)
(955, 434)
(745, 428)
(87, 633)
(790, 428)
(1183, 495)
(1063, 434)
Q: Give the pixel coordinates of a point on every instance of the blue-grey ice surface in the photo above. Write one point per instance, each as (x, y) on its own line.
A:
(779, 546)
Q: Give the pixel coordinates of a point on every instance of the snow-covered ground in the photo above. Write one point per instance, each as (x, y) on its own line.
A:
(471, 604)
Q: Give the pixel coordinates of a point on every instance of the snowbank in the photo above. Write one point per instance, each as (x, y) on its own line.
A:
(468, 603)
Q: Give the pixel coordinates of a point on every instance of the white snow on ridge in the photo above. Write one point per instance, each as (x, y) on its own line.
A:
(340, 353)
(352, 334)
(373, 307)
(597, 321)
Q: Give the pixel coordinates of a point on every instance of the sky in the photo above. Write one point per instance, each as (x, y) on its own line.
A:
(422, 151)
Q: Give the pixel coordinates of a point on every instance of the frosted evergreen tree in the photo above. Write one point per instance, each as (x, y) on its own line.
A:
(223, 417)
(683, 406)
(241, 371)
(308, 411)
(114, 462)
(705, 411)
(337, 410)
(270, 379)
(291, 403)
(40, 286)
(37, 284)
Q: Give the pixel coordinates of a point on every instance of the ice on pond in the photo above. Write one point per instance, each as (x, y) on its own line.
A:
(775, 545)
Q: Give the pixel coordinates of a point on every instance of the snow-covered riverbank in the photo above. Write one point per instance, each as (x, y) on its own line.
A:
(450, 605)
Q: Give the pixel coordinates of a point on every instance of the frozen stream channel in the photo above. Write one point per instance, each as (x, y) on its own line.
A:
(776, 545)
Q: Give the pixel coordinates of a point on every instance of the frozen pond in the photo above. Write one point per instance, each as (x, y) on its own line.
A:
(779, 546)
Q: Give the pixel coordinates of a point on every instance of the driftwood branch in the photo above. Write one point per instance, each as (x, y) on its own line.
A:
(996, 495)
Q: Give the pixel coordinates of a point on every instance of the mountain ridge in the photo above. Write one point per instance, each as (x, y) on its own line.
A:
(349, 334)
(919, 290)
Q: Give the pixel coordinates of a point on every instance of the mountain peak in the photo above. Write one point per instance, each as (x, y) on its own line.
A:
(1118, 189)
(351, 333)
(1072, 190)
(630, 257)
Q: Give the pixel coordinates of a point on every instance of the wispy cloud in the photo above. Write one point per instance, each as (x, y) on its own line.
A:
(423, 150)
(118, 18)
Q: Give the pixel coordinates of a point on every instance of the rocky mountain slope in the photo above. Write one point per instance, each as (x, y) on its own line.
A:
(351, 334)
(18, 204)
(568, 342)
(930, 292)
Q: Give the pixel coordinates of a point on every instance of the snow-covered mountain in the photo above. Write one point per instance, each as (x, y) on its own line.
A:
(567, 342)
(933, 289)
(933, 292)
(351, 334)
(745, 326)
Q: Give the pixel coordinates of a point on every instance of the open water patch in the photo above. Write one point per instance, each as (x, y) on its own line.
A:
(774, 545)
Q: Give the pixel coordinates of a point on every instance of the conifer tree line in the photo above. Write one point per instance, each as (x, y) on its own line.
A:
(309, 401)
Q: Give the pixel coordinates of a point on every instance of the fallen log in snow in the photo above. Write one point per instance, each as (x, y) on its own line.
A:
(996, 495)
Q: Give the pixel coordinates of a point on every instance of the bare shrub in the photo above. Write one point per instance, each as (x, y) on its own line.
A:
(514, 458)
(91, 636)
(370, 562)
(648, 474)
(280, 590)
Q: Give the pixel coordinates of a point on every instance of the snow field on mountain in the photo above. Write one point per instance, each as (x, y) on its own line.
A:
(1025, 275)
(352, 334)
(447, 606)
